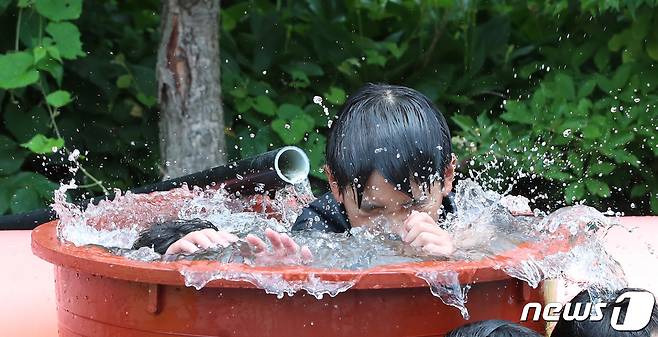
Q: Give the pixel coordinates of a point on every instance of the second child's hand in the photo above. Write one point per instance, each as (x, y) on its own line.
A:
(284, 249)
(421, 231)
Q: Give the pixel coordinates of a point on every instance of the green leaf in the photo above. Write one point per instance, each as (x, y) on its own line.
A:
(54, 68)
(374, 57)
(148, 101)
(601, 168)
(11, 156)
(228, 22)
(555, 174)
(591, 131)
(123, 81)
(621, 76)
(602, 58)
(39, 53)
(620, 139)
(349, 66)
(35, 181)
(299, 79)
(396, 51)
(574, 192)
(576, 162)
(597, 187)
(58, 10)
(623, 156)
(517, 112)
(289, 111)
(58, 98)
(619, 40)
(565, 86)
(54, 53)
(250, 147)
(586, 88)
(466, 123)
(41, 144)
(25, 199)
(293, 131)
(335, 95)
(300, 73)
(264, 105)
(67, 39)
(16, 70)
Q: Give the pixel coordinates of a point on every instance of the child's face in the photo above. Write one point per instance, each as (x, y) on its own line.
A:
(381, 199)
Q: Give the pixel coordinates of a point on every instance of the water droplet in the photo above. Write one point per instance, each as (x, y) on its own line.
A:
(566, 133)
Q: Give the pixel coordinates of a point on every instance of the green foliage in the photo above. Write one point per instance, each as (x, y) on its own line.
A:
(59, 97)
(590, 125)
(513, 79)
(41, 144)
(550, 89)
(17, 70)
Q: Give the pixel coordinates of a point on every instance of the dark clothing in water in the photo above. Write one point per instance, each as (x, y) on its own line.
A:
(324, 214)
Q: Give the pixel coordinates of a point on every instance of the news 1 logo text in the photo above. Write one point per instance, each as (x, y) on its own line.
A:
(638, 312)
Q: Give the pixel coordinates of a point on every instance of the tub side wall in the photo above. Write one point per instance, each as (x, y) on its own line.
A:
(91, 305)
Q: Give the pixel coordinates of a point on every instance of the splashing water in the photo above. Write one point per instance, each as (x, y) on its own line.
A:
(271, 283)
(483, 228)
(446, 286)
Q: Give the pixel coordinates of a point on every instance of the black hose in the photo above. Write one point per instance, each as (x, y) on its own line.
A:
(269, 171)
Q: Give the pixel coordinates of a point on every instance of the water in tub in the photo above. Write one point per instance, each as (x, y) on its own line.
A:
(483, 227)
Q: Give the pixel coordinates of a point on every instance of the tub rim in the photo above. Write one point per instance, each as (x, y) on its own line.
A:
(98, 261)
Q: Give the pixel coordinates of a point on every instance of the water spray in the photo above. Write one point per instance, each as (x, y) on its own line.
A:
(266, 172)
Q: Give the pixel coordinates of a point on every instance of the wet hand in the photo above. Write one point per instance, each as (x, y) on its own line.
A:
(284, 249)
(421, 231)
(203, 239)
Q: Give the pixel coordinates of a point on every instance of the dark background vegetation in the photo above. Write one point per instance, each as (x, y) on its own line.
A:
(558, 95)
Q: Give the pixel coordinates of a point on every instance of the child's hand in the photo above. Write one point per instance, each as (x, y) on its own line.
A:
(284, 249)
(420, 230)
(205, 238)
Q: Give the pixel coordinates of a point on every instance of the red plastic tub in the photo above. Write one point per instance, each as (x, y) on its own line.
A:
(100, 294)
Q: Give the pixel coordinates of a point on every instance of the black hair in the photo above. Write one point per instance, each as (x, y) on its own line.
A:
(493, 328)
(393, 130)
(162, 235)
(603, 327)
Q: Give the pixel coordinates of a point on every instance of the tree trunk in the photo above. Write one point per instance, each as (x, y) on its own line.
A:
(191, 115)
